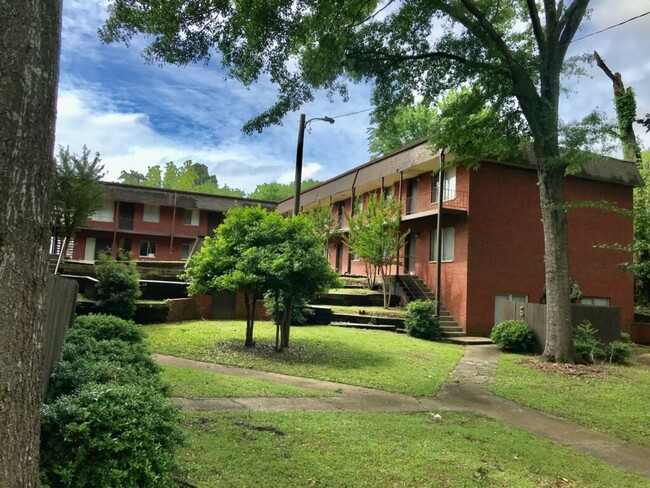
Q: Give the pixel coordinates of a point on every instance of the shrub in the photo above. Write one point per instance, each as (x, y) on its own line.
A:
(513, 336)
(591, 350)
(118, 286)
(420, 320)
(300, 313)
(120, 435)
(106, 327)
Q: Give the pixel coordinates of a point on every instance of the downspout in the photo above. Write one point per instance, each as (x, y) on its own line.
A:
(171, 238)
(116, 219)
(441, 183)
(354, 182)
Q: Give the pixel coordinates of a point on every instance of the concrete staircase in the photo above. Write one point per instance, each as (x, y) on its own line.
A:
(416, 289)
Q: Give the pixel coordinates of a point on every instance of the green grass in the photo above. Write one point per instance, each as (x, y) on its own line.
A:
(381, 450)
(354, 291)
(382, 360)
(618, 404)
(372, 311)
(196, 383)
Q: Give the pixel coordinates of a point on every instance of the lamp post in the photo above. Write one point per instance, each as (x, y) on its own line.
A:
(299, 149)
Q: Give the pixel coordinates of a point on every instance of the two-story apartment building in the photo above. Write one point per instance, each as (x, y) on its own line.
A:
(153, 224)
(492, 239)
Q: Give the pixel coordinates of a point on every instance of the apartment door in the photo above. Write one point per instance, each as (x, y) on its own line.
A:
(126, 216)
(102, 245)
(409, 257)
(339, 257)
(89, 250)
(412, 196)
(214, 220)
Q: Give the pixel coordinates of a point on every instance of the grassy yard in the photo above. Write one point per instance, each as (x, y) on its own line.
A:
(616, 402)
(370, 450)
(194, 383)
(374, 359)
(372, 311)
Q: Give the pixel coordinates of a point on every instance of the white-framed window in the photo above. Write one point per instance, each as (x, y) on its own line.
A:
(595, 301)
(449, 190)
(191, 217)
(106, 212)
(185, 251)
(448, 234)
(506, 297)
(151, 213)
(148, 249)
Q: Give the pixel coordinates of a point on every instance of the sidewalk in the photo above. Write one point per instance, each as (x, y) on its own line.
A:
(477, 368)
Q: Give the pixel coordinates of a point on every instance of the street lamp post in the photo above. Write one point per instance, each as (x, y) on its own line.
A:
(299, 150)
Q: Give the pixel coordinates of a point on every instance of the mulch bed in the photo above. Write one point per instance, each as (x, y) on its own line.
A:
(580, 370)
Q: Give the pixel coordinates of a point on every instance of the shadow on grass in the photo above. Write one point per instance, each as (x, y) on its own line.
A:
(307, 352)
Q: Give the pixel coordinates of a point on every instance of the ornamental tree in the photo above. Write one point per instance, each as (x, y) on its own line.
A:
(511, 54)
(375, 238)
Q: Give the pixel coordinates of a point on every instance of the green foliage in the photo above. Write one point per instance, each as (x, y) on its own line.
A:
(323, 223)
(513, 336)
(118, 286)
(392, 130)
(77, 190)
(375, 237)
(114, 434)
(300, 312)
(189, 176)
(279, 191)
(106, 327)
(625, 104)
(591, 350)
(641, 246)
(420, 320)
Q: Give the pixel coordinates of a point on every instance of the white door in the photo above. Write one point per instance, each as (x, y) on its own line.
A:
(89, 251)
(450, 184)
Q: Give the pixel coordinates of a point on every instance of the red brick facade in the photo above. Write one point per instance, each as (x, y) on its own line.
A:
(498, 238)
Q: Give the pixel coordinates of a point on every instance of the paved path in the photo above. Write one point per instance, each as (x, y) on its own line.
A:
(464, 392)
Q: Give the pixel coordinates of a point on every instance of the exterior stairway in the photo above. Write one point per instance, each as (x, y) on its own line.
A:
(416, 289)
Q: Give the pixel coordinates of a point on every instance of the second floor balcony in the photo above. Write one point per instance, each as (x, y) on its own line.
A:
(428, 201)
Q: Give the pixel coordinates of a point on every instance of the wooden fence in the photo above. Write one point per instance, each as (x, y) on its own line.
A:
(60, 301)
(606, 320)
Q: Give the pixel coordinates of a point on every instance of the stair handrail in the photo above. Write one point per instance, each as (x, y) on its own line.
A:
(420, 289)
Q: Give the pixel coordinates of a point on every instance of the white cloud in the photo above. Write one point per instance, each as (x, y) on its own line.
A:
(309, 170)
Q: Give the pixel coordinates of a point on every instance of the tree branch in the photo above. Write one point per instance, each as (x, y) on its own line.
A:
(537, 25)
(601, 64)
(569, 23)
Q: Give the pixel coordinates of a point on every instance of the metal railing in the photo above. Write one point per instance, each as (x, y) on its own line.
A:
(456, 199)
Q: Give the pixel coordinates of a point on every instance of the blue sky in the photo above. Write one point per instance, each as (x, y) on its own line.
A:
(137, 115)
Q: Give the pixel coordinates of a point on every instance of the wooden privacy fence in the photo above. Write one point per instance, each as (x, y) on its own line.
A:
(606, 320)
(60, 301)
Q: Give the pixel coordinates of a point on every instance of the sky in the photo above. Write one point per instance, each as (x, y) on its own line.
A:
(138, 115)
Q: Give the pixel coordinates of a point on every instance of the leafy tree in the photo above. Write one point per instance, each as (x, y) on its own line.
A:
(230, 261)
(30, 39)
(399, 127)
(511, 56)
(77, 191)
(375, 237)
(641, 246)
(118, 286)
(296, 268)
(323, 223)
(279, 191)
(189, 176)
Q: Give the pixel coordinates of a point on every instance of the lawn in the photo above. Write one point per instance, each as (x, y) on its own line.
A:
(616, 402)
(370, 450)
(372, 311)
(374, 359)
(194, 383)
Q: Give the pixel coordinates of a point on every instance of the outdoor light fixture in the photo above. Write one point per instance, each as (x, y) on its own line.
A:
(301, 138)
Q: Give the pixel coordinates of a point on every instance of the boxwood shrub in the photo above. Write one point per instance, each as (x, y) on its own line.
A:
(420, 320)
(513, 336)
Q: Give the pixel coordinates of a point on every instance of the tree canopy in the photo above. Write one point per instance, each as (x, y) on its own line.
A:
(188, 176)
(77, 190)
(279, 191)
(392, 130)
(505, 59)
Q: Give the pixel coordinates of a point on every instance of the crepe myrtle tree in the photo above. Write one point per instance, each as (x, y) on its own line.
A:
(510, 54)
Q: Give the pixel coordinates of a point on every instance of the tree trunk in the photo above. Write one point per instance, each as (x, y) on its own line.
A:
(29, 49)
(286, 323)
(249, 301)
(559, 330)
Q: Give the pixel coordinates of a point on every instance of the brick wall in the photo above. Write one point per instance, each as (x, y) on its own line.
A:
(193, 308)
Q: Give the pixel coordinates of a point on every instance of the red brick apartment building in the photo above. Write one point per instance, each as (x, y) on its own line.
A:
(492, 240)
(153, 224)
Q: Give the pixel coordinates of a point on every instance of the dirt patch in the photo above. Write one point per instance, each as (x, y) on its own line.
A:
(580, 370)
(260, 428)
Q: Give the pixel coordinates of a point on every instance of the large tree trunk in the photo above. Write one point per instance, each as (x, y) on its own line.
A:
(249, 301)
(559, 330)
(29, 54)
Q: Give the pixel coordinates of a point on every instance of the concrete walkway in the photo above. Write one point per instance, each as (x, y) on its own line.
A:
(464, 392)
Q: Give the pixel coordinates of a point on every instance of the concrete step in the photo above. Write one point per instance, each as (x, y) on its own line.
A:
(470, 340)
(452, 334)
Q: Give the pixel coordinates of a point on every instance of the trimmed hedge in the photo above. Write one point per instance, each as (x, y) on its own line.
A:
(420, 320)
(513, 336)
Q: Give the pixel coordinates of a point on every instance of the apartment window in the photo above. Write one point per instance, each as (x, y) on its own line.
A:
(185, 251)
(595, 301)
(151, 213)
(388, 193)
(191, 217)
(148, 249)
(505, 297)
(447, 244)
(340, 211)
(105, 214)
(449, 190)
